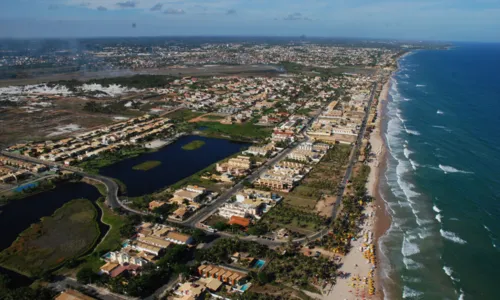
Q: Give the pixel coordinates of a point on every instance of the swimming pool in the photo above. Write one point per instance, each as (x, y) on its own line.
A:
(245, 286)
(26, 186)
(259, 264)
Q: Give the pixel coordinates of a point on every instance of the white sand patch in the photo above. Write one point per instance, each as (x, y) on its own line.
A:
(64, 129)
(112, 90)
(120, 118)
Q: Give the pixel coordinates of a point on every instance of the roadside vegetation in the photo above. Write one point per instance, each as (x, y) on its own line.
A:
(193, 145)
(296, 220)
(147, 165)
(112, 240)
(39, 187)
(290, 268)
(71, 231)
(106, 159)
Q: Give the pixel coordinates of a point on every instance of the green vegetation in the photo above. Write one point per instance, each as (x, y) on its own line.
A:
(147, 165)
(109, 158)
(193, 145)
(246, 131)
(7, 292)
(296, 220)
(172, 263)
(183, 115)
(291, 268)
(71, 231)
(112, 240)
(346, 225)
(323, 179)
(41, 186)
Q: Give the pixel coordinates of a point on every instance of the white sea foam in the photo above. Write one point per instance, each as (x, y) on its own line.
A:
(411, 293)
(436, 209)
(406, 99)
(424, 234)
(438, 217)
(449, 272)
(408, 248)
(411, 279)
(414, 165)
(412, 132)
(449, 169)
(451, 236)
(486, 227)
(410, 264)
(462, 296)
(420, 85)
(407, 152)
(439, 112)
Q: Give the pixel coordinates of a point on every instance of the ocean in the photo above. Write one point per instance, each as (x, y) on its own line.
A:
(441, 183)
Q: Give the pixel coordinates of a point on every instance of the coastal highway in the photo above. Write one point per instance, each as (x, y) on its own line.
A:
(347, 175)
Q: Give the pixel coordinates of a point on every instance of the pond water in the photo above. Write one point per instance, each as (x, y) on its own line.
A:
(18, 215)
(176, 164)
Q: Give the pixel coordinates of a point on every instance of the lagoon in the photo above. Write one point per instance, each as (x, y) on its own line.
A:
(17, 215)
(176, 164)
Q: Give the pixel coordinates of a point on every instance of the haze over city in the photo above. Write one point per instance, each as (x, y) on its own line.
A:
(396, 19)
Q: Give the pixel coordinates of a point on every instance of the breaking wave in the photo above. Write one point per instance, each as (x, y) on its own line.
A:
(411, 293)
(452, 237)
(449, 169)
(439, 112)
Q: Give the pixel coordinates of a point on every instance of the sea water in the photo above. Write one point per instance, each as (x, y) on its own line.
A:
(442, 184)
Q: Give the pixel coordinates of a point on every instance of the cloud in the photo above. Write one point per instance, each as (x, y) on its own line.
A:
(126, 4)
(157, 7)
(53, 7)
(296, 17)
(174, 11)
(231, 12)
(85, 4)
(101, 8)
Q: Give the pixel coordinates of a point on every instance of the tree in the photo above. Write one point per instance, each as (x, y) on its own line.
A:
(86, 275)
(263, 278)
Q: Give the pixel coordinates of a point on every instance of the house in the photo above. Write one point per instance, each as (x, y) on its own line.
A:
(108, 267)
(224, 274)
(179, 238)
(155, 204)
(72, 295)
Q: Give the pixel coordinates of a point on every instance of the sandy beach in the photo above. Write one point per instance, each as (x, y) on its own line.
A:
(357, 266)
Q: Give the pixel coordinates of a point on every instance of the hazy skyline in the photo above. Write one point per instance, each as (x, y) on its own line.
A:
(453, 20)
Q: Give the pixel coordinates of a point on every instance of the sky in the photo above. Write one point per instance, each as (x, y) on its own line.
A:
(446, 20)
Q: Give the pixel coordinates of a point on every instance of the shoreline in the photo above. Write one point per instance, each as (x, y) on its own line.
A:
(360, 263)
(382, 217)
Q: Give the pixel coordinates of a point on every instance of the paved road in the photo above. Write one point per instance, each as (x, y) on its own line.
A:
(63, 283)
(112, 199)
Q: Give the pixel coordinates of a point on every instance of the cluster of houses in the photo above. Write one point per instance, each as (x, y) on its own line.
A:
(188, 200)
(145, 248)
(341, 121)
(286, 174)
(98, 141)
(13, 170)
(248, 204)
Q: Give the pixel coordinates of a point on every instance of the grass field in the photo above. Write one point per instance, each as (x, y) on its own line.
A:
(183, 115)
(112, 240)
(147, 165)
(323, 179)
(247, 131)
(70, 232)
(284, 215)
(193, 145)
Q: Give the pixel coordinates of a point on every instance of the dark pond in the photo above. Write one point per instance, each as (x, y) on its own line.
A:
(177, 164)
(18, 215)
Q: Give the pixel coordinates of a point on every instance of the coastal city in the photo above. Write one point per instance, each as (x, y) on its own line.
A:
(247, 175)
